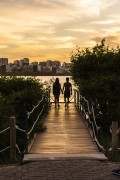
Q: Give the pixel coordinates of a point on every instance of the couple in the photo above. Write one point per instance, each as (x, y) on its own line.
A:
(67, 90)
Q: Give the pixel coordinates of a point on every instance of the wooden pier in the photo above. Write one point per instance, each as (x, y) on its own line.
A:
(66, 136)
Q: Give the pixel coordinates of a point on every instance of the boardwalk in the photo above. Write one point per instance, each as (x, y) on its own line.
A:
(66, 135)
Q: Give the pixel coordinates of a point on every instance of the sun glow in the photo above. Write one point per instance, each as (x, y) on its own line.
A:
(90, 7)
(87, 2)
(52, 29)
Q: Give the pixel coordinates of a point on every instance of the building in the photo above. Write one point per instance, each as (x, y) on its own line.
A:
(60, 71)
(27, 68)
(46, 70)
(23, 62)
(34, 63)
(2, 68)
(9, 67)
(3, 61)
(66, 66)
(54, 69)
(15, 68)
(23, 65)
(56, 63)
(35, 67)
(42, 64)
(50, 63)
(16, 62)
(26, 61)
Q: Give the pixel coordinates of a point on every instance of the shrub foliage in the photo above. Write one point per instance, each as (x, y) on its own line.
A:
(18, 95)
(96, 72)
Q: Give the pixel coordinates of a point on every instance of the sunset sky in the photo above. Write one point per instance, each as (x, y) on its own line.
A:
(51, 29)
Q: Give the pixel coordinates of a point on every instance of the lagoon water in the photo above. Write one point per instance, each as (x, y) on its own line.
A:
(51, 79)
(62, 79)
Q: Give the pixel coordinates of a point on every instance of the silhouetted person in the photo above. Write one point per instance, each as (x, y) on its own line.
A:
(56, 91)
(67, 89)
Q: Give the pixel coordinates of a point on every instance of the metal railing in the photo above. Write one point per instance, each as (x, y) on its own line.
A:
(83, 106)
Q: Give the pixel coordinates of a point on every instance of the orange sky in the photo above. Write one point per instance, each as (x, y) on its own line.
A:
(51, 29)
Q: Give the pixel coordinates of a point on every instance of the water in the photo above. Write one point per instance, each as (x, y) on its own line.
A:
(62, 79)
(51, 79)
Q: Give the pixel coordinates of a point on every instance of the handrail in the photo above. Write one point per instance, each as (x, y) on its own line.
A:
(93, 123)
(110, 129)
(4, 149)
(7, 146)
(28, 116)
(29, 113)
(96, 140)
(91, 112)
(17, 147)
(22, 130)
(28, 133)
(4, 130)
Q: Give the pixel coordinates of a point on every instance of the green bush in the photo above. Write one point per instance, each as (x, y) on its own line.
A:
(96, 71)
(17, 97)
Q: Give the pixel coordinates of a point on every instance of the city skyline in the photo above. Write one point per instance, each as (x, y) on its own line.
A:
(51, 29)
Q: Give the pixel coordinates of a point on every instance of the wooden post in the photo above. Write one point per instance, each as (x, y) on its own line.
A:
(12, 139)
(49, 96)
(79, 102)
(75, 97)
(26, 122)
(114, 141)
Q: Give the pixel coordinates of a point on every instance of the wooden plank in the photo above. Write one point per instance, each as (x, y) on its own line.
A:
(66, 133)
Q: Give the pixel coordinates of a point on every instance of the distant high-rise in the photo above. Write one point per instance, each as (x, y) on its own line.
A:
(53, 63)
(49, 63)
(42, 64)
(3, 61)
(24, 61)
(56, 63)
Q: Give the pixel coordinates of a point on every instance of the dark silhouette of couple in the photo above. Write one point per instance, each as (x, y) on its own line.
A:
(67, 90)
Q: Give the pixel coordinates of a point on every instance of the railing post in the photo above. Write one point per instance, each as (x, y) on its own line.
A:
(79, 102)
(82, 111)
(26, 134)
(114, 141)
(75, 97)
(89, 120)
(49, 95)
(12, 139)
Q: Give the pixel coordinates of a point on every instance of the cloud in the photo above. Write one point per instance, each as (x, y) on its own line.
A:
(37, 4)
(2, 46)
(52, 28)
(105, 22)
(112, 40)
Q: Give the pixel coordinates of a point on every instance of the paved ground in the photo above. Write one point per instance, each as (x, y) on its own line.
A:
(64, 169)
